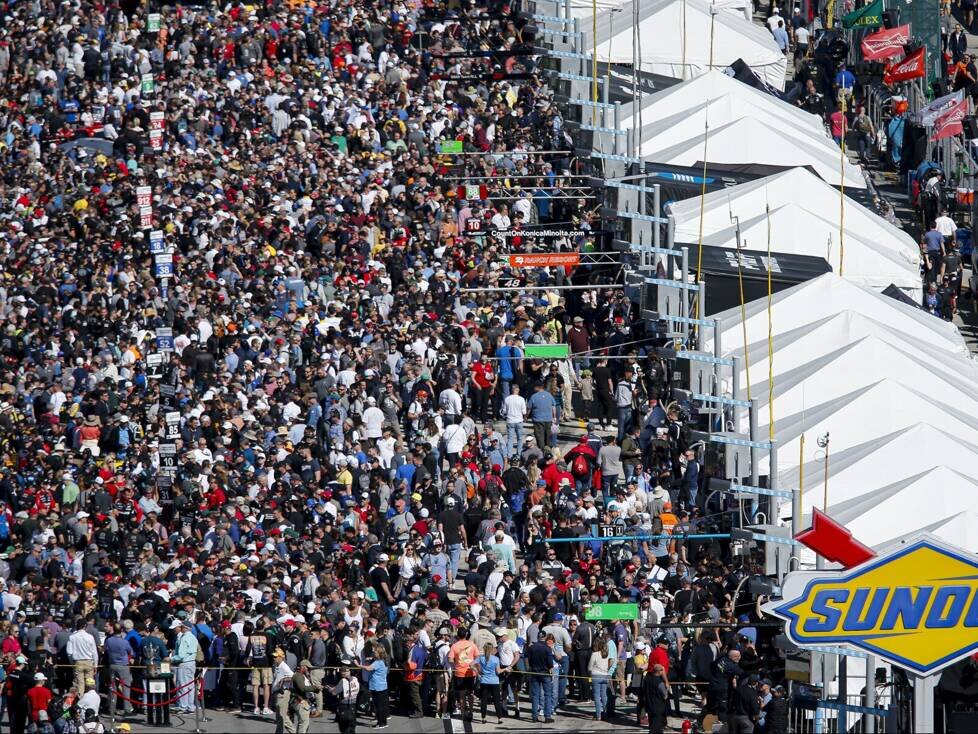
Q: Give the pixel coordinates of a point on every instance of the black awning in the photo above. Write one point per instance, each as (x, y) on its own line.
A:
(893, 292)
(722, 278)
(685, 182)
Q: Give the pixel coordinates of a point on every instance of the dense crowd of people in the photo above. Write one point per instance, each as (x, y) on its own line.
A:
(312, 456)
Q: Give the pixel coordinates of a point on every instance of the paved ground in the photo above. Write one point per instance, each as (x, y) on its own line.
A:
(575, 719)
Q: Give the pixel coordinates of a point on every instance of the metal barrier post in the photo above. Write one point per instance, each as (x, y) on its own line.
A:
(199, 702)
(112, 698)
(869, 720)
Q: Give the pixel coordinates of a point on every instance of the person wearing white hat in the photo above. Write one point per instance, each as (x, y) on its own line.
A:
(38, 698)
(185, 656)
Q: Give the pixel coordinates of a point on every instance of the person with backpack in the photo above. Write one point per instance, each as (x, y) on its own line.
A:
(581, 459)
(417, 657)
(437, 666)
(346, 690)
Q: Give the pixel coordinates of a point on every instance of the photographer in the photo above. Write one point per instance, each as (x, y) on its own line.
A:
(303, 695)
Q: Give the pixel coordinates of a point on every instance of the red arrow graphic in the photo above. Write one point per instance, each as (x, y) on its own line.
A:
(833, 541)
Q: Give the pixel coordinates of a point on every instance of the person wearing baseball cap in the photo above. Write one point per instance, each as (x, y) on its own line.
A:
(282, 691)
(303, 690)
(38, 697)
(185, 656)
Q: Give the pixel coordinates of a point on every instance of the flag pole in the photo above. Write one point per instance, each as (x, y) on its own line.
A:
(770, 335)
(842, 185)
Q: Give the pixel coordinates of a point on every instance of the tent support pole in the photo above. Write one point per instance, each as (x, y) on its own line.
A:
(684, 298)
(735, 391)
(700, 331)
(670, 245)
(771, 503)
(717, 352)
(755, 453)
(617, 125)
(657, 204)
(869, 721)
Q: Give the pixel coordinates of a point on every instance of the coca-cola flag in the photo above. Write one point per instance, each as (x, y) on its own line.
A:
(949, 123)
(885, 43)
(910, 67)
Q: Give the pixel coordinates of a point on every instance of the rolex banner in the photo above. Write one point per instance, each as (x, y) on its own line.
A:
(910, 67)
(868, 16)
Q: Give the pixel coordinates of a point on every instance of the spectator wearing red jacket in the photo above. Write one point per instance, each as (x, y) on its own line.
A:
(581, 468)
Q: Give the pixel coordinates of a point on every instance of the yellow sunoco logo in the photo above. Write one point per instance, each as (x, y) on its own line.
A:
(917, 608)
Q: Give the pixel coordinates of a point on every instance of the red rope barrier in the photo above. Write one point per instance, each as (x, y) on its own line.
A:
(176, 692)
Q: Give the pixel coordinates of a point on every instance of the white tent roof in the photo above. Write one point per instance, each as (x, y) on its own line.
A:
(742, 8)
(878, 461)
(676, 127)
(799, 348)
(827, 295)
(797, 187)
(676, 39)
(799, 231)
(583, 8)
(729, 100)
(936, 497)
(751, 140)
(848, 369)
(960, 530)
(866, 412)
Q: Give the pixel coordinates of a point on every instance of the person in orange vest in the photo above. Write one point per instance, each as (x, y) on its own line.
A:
(414, 675)
(669, 520)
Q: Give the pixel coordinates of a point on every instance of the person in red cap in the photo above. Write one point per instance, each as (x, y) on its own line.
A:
(491, 486)
(227, 650)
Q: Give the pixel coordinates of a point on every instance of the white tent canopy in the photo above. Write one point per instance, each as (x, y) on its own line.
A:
(796, 187)
(835, 335)
(584, 8)
(676, 128)
(749, 140)
(676, 39)
(742, 8)
(729, 100)
(852, 418)
(935, 497)
(881, 460)
(846, 370)
(960, 529)
(827, 295)
(796, 230)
